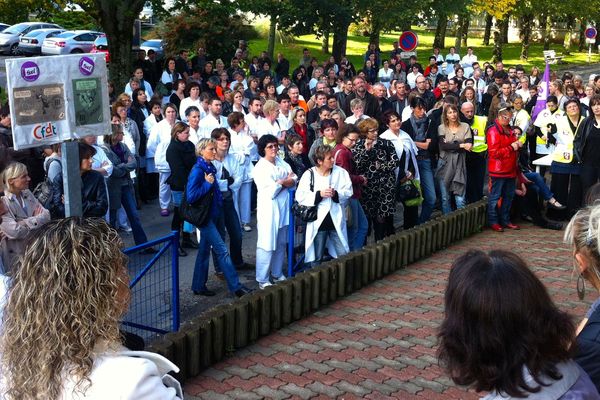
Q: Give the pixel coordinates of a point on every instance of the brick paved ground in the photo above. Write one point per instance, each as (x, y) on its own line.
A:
(380, 342)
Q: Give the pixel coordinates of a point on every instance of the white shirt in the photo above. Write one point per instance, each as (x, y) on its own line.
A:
(468, 60)
(147, 89)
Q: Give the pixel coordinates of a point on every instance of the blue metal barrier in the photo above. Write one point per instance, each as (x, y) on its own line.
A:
(295, 258)
(154, 304)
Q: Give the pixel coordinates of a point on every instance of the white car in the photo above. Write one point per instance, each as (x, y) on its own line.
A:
(31, 44)
(9, 38)
(70, 42)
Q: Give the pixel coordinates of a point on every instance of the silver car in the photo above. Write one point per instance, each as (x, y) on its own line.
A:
(3, 27)
(70, 42)
(31, 44)
(156, 45)
(9, 38)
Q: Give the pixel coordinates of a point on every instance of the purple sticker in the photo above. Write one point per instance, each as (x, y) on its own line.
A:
(30, 71)
(86, 66)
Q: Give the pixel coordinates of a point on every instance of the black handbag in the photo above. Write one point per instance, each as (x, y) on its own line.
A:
(197, 213)
(406, 191)
(306, 213)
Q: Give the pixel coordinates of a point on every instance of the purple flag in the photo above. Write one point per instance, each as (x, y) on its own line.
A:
(542, 93)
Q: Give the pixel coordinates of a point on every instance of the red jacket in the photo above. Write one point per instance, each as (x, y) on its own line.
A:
(502, 157)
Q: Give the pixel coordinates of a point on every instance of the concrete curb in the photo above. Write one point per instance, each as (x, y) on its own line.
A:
(208, 338)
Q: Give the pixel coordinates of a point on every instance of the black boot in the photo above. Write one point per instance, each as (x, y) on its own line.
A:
(187, 241)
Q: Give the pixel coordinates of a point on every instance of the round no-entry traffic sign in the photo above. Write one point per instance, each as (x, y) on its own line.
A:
(408, 41)
(591, 33)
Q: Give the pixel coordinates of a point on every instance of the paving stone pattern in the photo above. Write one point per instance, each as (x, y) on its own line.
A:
(380, 342)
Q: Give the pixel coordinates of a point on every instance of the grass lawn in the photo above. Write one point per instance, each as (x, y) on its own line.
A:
(357, 46)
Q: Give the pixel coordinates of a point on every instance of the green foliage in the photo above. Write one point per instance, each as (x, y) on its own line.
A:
(74, 20)
(13, 12)
(213, 26)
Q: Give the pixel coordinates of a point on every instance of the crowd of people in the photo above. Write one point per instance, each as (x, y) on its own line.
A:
(357, 145)
(213, 142)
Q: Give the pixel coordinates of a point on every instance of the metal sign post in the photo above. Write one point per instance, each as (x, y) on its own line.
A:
(71, 179)
(590, 37)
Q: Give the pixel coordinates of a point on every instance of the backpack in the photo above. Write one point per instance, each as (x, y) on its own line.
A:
(43, 190)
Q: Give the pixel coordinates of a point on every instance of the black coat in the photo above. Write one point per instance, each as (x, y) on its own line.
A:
(94, 197)
(588, 348)
(181, 157)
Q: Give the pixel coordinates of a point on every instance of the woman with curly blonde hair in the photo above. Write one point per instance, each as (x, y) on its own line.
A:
(60, 337)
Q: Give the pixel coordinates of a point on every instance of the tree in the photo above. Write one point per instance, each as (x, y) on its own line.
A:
(489, 21)
(116, 18)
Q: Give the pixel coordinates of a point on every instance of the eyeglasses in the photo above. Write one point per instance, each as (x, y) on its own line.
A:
(373, 130)
(351, 140)
(271, 146)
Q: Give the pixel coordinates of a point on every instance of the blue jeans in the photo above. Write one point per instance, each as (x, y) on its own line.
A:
(357, 233)
(539, 185)
(428, 188)
(447, 199)
(210, 236)
(321, 240)
(505, 188)
(128, 203)
(228, 220)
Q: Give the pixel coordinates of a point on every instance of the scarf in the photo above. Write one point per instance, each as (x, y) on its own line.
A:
(119, 151)
(208, 168)
(419, 127)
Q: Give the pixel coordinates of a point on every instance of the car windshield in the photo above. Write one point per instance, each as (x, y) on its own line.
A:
(151, 43)
(16, 29)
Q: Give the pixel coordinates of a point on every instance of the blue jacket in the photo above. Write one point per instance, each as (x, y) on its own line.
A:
(198, 186)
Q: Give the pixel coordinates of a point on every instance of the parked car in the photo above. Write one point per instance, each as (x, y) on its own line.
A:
(101, 46)
(9, 38)
(3, 27)
(70, 42)
(31, 44)
(156, 45)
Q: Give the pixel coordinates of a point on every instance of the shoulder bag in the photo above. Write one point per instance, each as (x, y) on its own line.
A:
(306, 213)
(197, 213)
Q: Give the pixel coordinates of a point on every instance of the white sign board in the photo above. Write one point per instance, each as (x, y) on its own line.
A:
(57, 98)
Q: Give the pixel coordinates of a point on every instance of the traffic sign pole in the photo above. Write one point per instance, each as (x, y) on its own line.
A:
(590, 37)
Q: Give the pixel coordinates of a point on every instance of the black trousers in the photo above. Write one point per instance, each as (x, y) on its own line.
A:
(411, 216)
(567, 191)
(476, 165)
(589, 176)
(384, 228)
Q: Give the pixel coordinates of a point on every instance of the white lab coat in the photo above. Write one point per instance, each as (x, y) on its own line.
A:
(160, 137)
(272, 201)
(209, 123)
(243, 145)
(128, 374)
(340, 181)
(187, 103)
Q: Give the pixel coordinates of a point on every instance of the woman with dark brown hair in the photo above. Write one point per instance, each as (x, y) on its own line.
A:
(502, 332)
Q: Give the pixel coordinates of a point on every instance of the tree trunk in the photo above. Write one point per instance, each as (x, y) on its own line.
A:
(325, 43)
(459, 33)
(504, 29)
(375, 32)
(582, 26)
(340, 38)
(545, 26)
(569, 35)
(465, 31)
(497, 51)
(440, 32)
(489, 19)
(526, 35)
(272, 33)
(116, 18)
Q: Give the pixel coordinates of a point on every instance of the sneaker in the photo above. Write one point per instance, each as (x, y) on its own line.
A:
(262, 286)
(246, 227)
(280, 279)
(510, 225)
(164, 212)
(497, 228)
